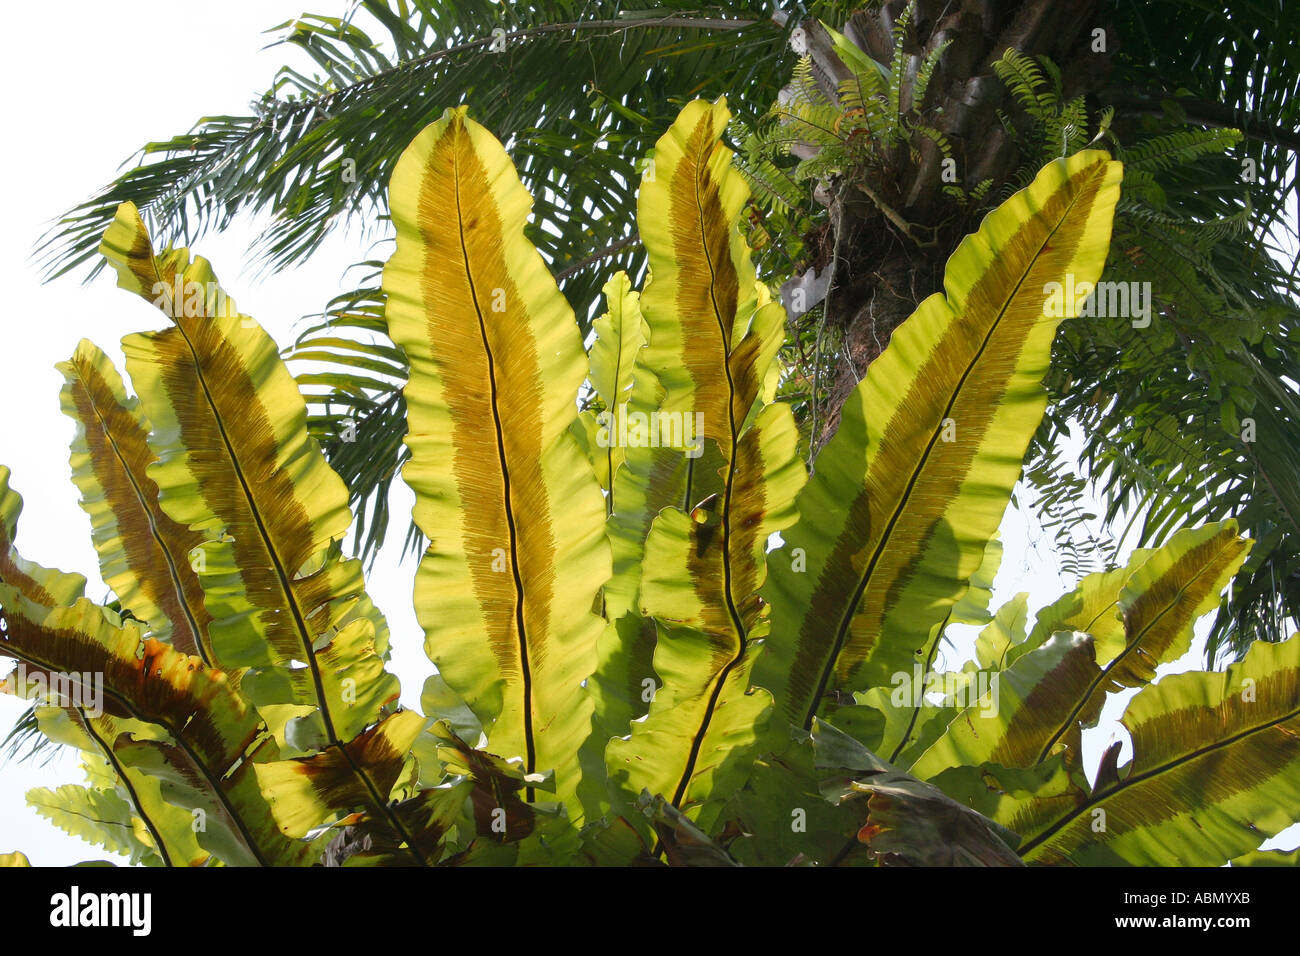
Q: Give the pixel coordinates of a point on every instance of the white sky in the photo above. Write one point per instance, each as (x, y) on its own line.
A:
(131, 72)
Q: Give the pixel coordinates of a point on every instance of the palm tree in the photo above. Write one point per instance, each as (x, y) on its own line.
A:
(1198, 96)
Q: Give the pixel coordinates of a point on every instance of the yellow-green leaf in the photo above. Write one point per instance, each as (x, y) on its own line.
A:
(1048, 696)
(236, 462)
(304, 791)
(167, 832)
(144, 556)
(713, 336)
(212, 734)
(1215, 772)
(515, 519)
(909, 491)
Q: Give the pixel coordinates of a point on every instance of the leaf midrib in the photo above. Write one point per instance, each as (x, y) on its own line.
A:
(697, 741)
(525, 668)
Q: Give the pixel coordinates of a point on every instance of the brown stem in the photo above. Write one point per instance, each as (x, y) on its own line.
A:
(605, 253)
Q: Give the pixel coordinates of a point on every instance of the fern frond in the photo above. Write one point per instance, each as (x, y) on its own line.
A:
(1173, 149)
(921, 85)
(1024, 77)
(896, 68)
